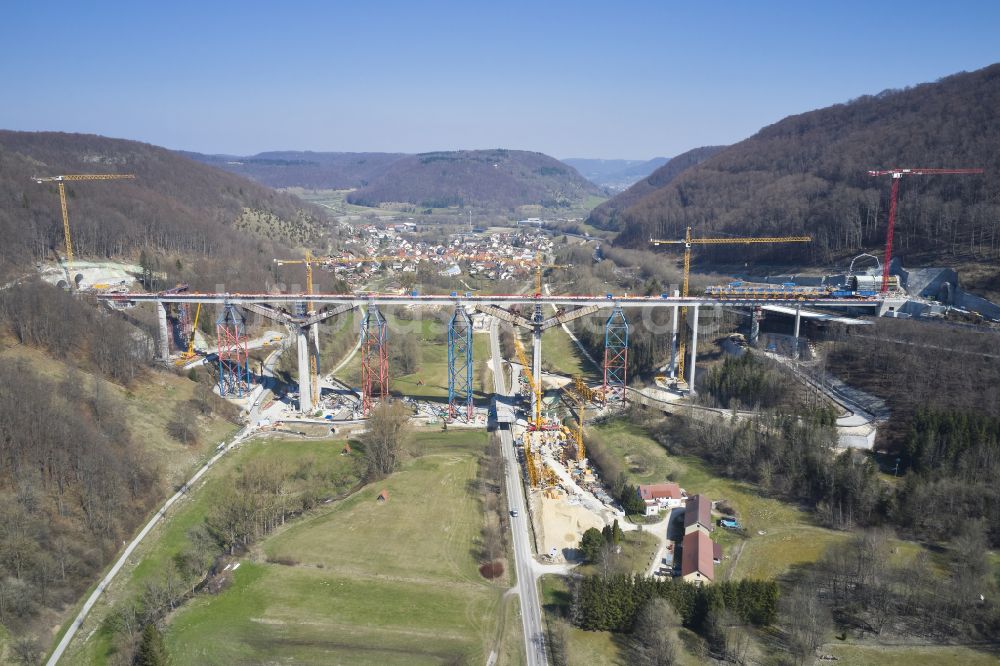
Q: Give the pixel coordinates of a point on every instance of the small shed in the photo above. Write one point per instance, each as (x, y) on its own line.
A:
(382, 496)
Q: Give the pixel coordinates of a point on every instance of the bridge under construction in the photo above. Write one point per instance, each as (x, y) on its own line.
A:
(285, 309)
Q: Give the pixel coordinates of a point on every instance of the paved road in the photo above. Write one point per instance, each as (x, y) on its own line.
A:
(223, 449)
(527, 584)
(524, 561)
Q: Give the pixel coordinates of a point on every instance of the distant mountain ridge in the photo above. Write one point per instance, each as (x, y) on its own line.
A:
(615, 174)
(496, 178)
(808, 174)
(307, 169)
(606, 214)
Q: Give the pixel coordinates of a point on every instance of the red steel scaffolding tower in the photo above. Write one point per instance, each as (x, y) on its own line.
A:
(374, 360)
(615, 353)
(234, 357)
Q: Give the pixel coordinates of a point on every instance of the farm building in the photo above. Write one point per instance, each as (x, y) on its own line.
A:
(697, 558)
(698, 515)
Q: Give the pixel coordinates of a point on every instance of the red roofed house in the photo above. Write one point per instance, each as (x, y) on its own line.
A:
(697, 554)
(658, 496)
(698, 515)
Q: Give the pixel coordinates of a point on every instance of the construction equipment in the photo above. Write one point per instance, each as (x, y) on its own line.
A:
(189, 353)
(61, 182)
(538, 274)
(687, 243)
(578, 397)
(536, 390)
(897, 175)
(311, 307)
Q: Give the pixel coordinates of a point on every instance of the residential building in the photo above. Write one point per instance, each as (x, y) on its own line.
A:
(697, 554)
(698, 515)
(666, 495)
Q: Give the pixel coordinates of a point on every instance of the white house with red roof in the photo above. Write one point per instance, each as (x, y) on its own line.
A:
(658, 496)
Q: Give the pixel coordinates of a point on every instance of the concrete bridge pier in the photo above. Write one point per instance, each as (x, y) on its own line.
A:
(798, 319)
(163, 342)
(305, 374)
(673, 340)
(694, 349)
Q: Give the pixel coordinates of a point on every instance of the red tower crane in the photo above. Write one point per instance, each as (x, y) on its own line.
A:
(897, 174)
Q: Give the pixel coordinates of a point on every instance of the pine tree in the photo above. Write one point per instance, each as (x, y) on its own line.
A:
(151, 651)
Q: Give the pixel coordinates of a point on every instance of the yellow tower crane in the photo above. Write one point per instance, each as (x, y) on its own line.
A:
(313, 363)
(189, 354)
(535, 389)
(687, 243)
(61, 182)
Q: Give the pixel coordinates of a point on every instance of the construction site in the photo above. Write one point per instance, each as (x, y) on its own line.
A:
(549, 429)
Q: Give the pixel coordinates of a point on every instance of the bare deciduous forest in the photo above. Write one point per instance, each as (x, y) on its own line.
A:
(807, 174)
(184, 213)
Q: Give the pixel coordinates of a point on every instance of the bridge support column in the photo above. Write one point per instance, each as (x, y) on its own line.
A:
(673, 341)
(315, 343)
(163, 342)
(798, 319)
(694, 349)
(305, 371)
(536, 369)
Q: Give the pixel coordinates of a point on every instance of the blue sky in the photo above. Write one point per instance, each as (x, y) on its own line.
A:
(572, 79)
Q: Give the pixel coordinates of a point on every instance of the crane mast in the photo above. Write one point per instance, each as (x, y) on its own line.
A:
(688, 242)
(61, 182)
(897, 175)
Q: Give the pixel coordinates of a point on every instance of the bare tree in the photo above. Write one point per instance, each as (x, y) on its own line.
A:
(388, 430)
(654, 638)
(807, 620)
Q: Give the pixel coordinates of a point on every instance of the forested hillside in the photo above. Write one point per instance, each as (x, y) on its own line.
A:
(606, 215)
(493, 178)
(808, 173)
(308, 169)
(87, 448)
(175, 209)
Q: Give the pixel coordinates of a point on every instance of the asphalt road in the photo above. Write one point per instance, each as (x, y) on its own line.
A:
(527, 583)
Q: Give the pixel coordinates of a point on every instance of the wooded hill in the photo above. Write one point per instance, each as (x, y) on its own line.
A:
(308, 169)
(607, 213)
(498, 178)
(808, 174)
(175, 208)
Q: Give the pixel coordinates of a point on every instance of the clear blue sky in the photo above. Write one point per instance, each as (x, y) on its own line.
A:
(572, 79)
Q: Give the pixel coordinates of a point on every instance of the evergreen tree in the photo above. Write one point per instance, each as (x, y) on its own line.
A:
(590, 544)
(151, 651)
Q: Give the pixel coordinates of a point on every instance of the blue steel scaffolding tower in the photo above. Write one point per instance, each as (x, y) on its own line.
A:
(615, 353)
(460, 363)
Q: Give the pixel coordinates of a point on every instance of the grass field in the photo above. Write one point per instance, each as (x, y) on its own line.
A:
(430, 381)
(560, 354)
(862, 655)
(156, 553)
(371, 583)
